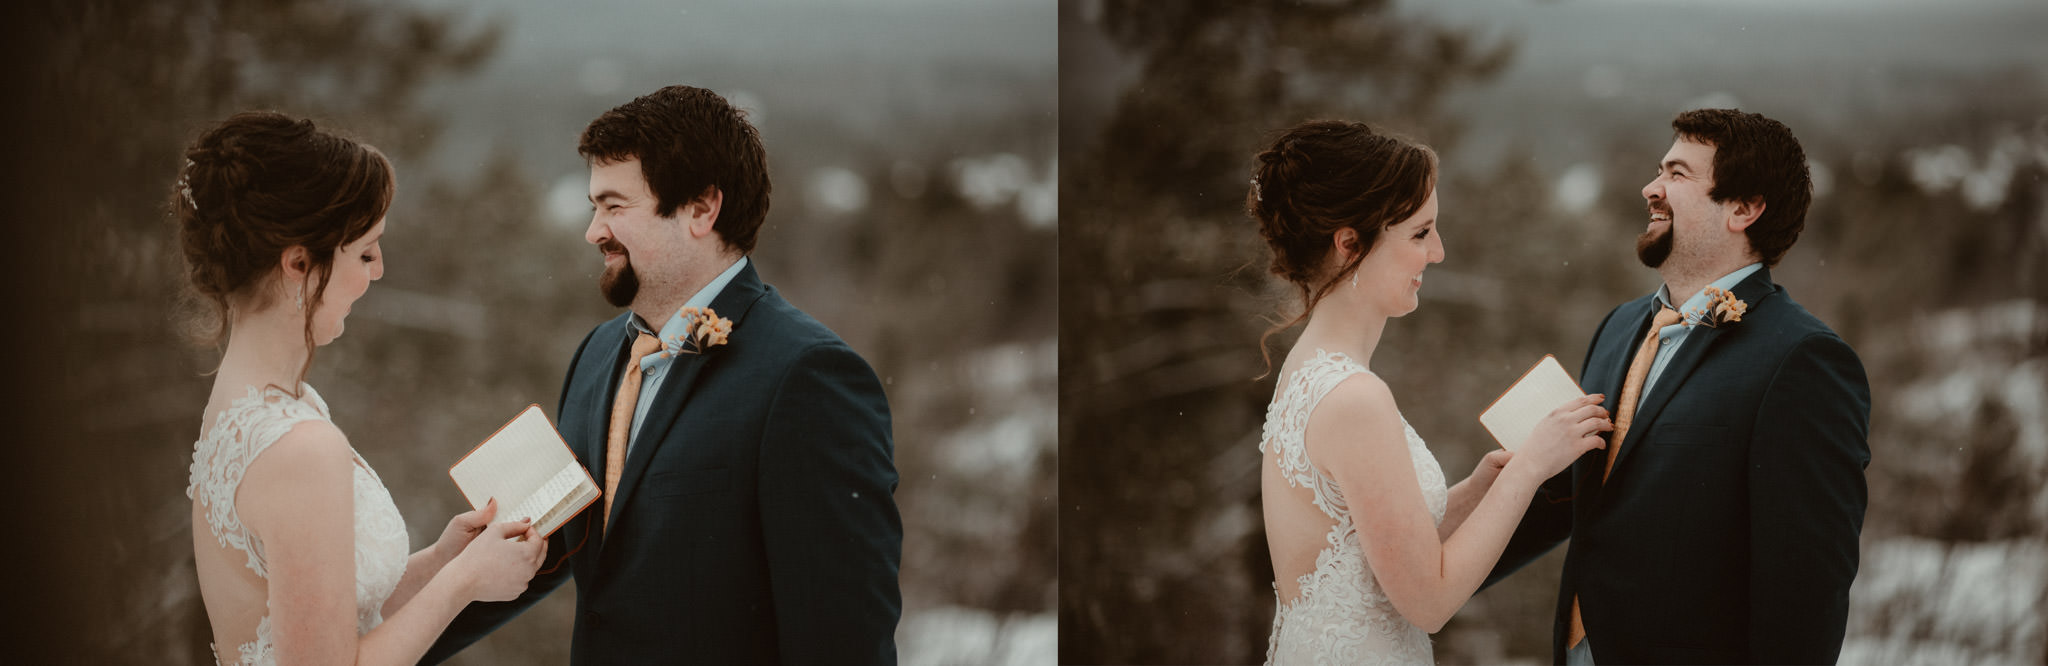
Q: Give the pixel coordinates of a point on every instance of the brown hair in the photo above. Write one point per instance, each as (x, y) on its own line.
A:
(1755, 156)
(258, 184)
(687, 140)
(1323, 176)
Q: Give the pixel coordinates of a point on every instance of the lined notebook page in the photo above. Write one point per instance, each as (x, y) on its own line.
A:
(547, 495)
(1540, 390)
(529, 469)
(577, 496)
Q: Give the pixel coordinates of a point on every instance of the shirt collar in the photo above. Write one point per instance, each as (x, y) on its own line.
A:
(675, 325)
(1699, 300)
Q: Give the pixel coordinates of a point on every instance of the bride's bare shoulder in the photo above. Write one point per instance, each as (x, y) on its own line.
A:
(1361, 394)
(309, 463)
(1361, 407)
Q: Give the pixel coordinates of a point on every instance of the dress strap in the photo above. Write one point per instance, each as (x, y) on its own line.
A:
(242, 431)
(1287, 426)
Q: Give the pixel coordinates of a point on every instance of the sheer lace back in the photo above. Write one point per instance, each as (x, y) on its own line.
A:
(1341, 615)
(241, 432)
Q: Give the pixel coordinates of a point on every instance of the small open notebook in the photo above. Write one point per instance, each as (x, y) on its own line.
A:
(1540, 390)
(528, 467)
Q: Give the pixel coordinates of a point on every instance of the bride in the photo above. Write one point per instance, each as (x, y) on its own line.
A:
(1371, 552)
(301, 553)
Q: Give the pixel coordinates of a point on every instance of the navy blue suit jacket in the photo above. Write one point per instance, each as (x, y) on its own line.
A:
(1727, 531)
(754, 522)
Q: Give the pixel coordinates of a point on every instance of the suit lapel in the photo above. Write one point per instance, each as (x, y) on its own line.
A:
(734, 302)
(612, 336)
(1615, 353)
(1606, 370)
(1697, 346)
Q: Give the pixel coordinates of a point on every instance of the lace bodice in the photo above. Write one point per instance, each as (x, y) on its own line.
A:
(241, 432)
(1341, 616)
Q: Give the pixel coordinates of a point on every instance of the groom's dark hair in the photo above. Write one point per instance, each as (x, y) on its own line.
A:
(1755, 156)
(689, 140)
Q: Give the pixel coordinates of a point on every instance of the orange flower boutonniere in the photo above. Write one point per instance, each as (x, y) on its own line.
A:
(1722, 308)
(702, 330)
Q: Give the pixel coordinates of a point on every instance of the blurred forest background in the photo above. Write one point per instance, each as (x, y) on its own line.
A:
(913, 148)
(1926, 247)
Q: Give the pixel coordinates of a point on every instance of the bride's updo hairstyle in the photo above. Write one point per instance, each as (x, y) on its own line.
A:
(1323, 176)
(260, 183)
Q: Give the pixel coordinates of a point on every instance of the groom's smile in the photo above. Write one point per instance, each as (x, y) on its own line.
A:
(1653, 246)
(613, 252)
(619, 283)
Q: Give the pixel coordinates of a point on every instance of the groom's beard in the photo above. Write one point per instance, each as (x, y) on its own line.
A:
(1654, 247)
(619, 283)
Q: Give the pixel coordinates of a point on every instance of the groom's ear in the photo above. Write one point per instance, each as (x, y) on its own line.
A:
(1745, 213)
(701, 213)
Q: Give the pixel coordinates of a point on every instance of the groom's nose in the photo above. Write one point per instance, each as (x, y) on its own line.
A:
(1653, 191)
(597, 233)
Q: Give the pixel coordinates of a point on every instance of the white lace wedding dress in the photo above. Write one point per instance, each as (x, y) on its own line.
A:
(1341, 616)
(240, 433)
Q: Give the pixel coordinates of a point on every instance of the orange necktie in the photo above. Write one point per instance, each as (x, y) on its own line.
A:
(622, 421)
(1624, 414)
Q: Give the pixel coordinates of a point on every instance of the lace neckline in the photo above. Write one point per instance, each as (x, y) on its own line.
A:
(241, 431)
(257, 397)
(1287, 425)
(1325, 357)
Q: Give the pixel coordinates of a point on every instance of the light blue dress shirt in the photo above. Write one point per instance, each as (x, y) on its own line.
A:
(1670, 337)
(653, 367)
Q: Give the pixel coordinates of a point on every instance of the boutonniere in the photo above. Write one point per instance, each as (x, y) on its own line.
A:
(1722, 308)
(702, 330)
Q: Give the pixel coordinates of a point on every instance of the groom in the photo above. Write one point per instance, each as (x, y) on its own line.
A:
(744, 450)
(1720, 524)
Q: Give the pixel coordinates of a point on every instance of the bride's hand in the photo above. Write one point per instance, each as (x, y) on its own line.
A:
(1490, 466)
(463, 528)
(499, 562)
(1560, 438)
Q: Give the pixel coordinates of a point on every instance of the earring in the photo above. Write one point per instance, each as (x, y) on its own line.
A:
(299, 302)
(1354, 279)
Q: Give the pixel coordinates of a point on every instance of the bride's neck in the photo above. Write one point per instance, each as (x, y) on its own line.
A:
(1335, 328)
(264, 348)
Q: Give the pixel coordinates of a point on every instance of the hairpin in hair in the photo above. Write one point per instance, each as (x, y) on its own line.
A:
(186, 187)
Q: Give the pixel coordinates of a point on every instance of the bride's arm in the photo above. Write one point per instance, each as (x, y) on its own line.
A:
(419, 568)
(1465, 495)
(422, 565)
(299, 498)
(1356, 433)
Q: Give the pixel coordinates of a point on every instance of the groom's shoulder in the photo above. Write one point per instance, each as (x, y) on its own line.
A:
(779, 330)
(1784, 317)
(1781, 333)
